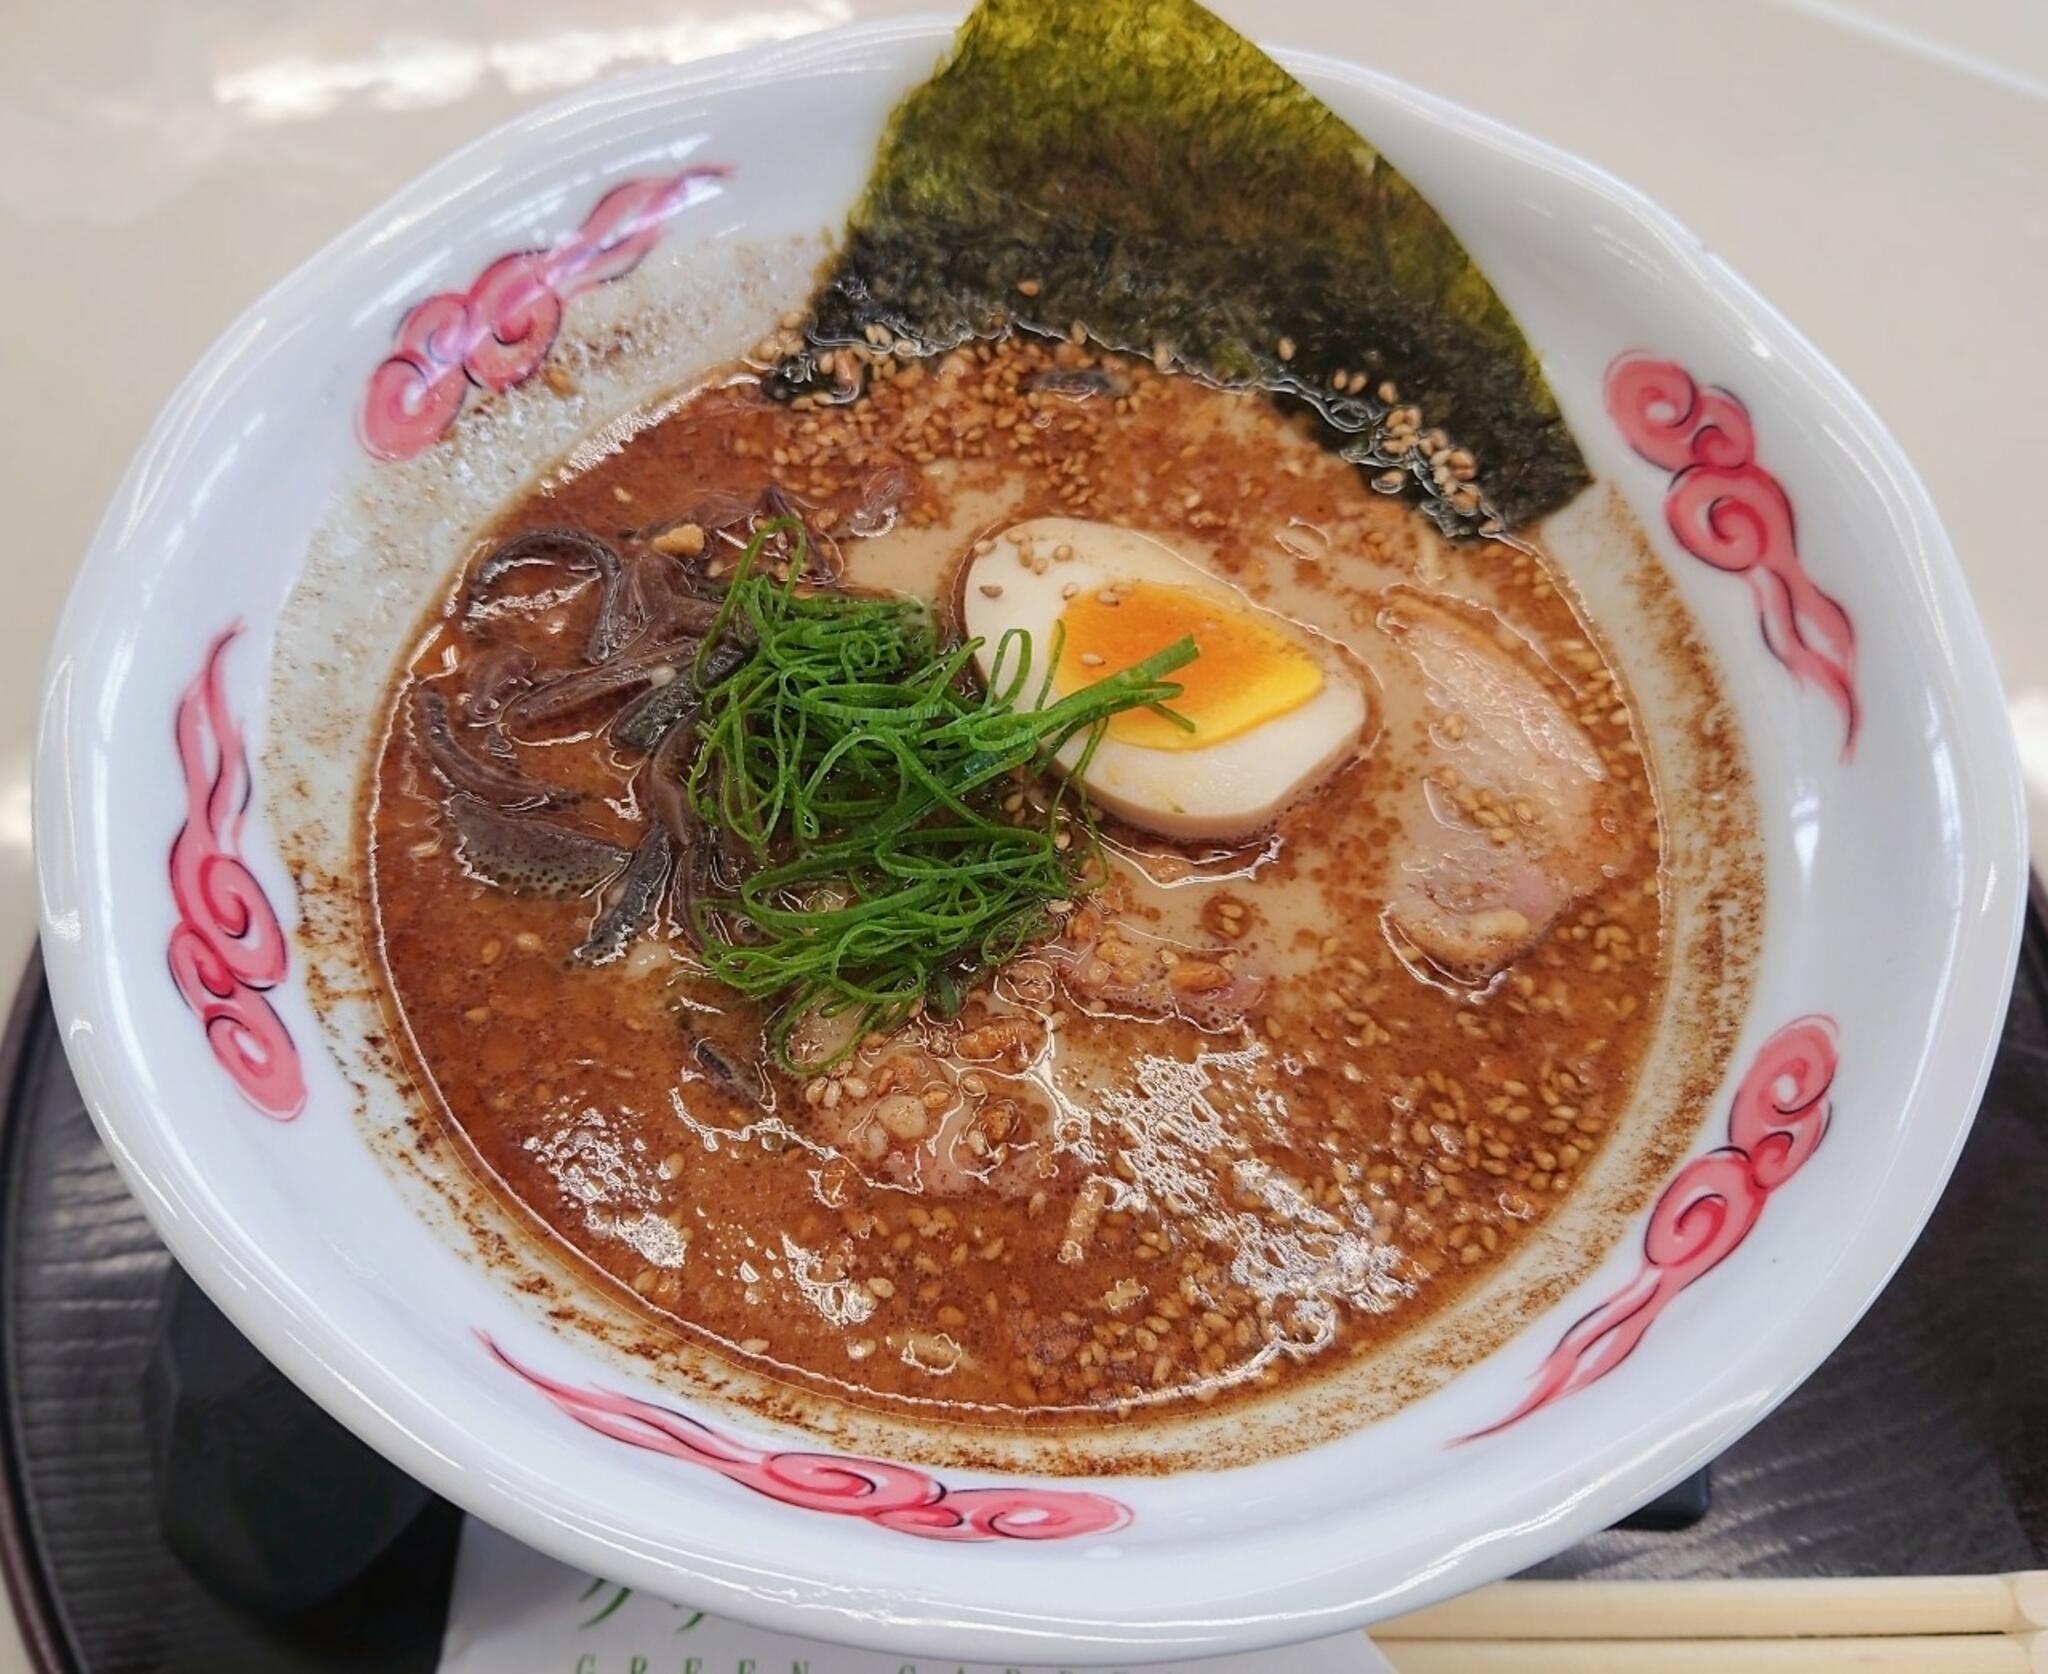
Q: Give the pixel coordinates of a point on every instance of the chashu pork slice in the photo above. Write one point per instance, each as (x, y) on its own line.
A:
(1513, 818)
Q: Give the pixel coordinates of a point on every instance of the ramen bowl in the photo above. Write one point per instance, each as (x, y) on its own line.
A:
(304, 498)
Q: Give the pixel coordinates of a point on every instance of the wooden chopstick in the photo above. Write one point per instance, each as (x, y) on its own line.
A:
(1861, 1608)
(1963, 1653)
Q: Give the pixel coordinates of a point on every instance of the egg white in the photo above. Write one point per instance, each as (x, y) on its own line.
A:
(1222, 791)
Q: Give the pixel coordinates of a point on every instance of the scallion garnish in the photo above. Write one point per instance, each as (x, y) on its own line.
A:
(860, 767)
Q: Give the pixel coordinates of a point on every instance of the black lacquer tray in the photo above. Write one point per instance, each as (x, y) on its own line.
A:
(1920, 1447)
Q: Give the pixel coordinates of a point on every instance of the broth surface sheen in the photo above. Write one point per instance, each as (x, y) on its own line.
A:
(1255, 1109)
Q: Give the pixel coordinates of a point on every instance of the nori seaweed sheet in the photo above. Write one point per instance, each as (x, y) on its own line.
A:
(1165, 183)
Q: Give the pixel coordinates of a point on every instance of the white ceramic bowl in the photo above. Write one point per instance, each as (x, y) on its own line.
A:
(1895, 877)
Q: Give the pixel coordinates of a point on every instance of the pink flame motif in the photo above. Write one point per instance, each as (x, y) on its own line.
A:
(1778, 1119)
(1728, 511)
(227, 946)
(497, 333)
(891, 1496)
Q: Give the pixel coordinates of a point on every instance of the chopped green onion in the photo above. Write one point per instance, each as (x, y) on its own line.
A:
(861, 768)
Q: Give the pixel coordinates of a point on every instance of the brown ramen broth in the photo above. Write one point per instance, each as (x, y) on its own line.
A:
(1254, 1109)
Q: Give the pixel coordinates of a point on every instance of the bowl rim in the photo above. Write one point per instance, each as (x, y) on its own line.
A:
(1966, 1029)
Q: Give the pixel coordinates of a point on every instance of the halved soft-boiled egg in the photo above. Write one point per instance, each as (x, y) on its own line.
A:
(1273, 708)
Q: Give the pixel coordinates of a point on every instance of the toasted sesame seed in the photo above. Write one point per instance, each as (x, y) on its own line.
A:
(685, 540)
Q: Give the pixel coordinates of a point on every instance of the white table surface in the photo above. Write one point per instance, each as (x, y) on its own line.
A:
(1878, 168)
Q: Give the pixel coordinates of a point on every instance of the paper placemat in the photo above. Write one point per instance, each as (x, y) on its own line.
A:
(513, 1611)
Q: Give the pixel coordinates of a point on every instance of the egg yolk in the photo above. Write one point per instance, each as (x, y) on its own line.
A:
(1248, 672)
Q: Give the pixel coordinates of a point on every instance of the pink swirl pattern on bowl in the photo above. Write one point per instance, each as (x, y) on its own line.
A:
(1727, 510)
(495, 334)
(897, 1497)
(227, 947)
(1777, 1121)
